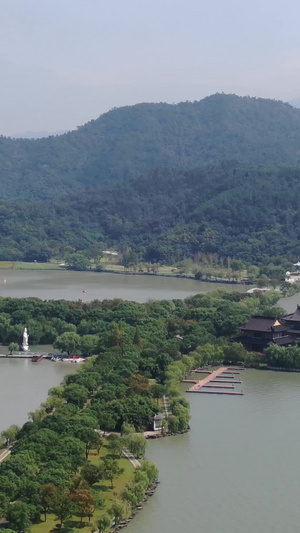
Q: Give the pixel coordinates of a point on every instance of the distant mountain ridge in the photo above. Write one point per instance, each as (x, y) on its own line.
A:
(129, 141)
(168, 181)
(36, 134)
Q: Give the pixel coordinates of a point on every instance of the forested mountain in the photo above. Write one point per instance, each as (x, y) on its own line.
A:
(127, 142)
(166, 180)
(250, 214)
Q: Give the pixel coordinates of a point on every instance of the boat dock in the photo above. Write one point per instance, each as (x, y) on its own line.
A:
(225, 381)
(218, 391)
(220, 381)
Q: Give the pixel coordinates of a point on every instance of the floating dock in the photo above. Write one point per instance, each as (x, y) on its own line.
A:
(225, 381)
(213, 386)
(220, 381)
(234, 392)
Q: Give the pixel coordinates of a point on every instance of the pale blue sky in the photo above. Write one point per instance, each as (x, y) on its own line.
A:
(64, 62)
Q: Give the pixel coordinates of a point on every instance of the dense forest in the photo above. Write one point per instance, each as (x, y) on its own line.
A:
(169, 181)
(164, 216)
(129, 141)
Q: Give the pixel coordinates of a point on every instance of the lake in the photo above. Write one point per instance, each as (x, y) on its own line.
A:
(238, 469)
(24, 386)
(68, 285)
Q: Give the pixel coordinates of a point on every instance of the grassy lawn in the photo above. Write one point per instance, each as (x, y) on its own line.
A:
(21, 265)
(102, 488)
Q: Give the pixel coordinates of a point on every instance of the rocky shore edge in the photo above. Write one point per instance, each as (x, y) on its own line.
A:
(124, 523)
(161, 436)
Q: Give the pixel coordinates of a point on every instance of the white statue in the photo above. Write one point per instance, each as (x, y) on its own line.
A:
(25, 346)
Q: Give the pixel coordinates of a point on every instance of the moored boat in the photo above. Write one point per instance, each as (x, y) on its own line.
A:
(38, 357)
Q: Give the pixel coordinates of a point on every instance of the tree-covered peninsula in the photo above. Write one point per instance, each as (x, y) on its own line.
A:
(65, 466)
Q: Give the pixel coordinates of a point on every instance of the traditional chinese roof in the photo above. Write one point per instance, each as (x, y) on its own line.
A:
(282, 341)
(263, 323)
(295, 317)
(263, 342)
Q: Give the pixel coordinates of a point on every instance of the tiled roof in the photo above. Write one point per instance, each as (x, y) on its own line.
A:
(263, 323)
(282, 341)
(160, 416)
(294, 316)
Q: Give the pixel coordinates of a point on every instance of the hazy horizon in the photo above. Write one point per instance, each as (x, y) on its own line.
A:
(65, 63)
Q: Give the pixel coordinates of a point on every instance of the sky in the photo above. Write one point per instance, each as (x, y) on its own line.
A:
(65, 62)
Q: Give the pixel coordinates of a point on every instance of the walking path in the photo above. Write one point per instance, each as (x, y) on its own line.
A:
(167, 409)
(5, 454)
(131, 458)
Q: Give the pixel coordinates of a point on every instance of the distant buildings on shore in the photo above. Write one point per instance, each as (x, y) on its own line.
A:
(260, 331)
(110, 252)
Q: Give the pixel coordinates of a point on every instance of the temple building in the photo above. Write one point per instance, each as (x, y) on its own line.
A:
(293, 323)
(260, 332)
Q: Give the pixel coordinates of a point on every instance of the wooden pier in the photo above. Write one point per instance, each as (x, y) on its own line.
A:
(218, 391)
(220, 381)
(213, 386)
(225, 381)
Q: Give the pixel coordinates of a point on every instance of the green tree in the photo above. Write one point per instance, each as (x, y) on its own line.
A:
(10, 434)
(89, 344)
(150, 470)
(115, 445)
(69, 342)
(136, 443)
(76, 394)
(19, 516)
(62, 505)
(119, 510)
(4, 503)
(13, 347)
(95, 252)
(103, 523)
(90, 473)
(262, 281)
(173, 424)
(110, 469)
(77, 261)
(127, 429)
(47, 493)
(129, 259)
(10, 484)
(134, 493)
(157, 391)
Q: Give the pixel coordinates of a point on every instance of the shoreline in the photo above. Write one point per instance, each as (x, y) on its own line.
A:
(178, 276)
(56, 267)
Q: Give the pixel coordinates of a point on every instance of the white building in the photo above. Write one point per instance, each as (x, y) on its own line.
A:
(292, 277)
(110, 252)
(157, 422)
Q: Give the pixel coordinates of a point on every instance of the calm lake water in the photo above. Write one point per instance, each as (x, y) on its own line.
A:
(58, 285)
(238, 469)
(24, 386)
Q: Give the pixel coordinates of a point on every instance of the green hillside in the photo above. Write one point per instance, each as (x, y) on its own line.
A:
(219, 175)
(250, 214)
(127, 142)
